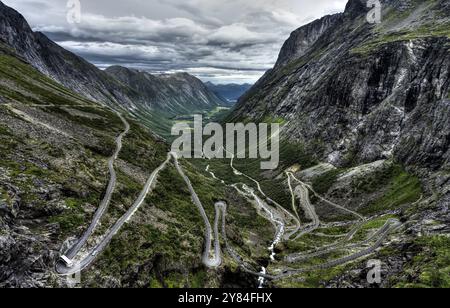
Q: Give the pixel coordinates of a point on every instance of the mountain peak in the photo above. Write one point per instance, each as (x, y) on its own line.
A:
(354, 8)
(14, 29)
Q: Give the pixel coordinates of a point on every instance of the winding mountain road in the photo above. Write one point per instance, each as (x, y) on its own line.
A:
(302, 193)
(75, 249)
(359, 216)
(278, 215)
(63, 269)
(294, 229)
(216, 260)
(389, 227)
(344, 245)
(78, 266)
(293, 200)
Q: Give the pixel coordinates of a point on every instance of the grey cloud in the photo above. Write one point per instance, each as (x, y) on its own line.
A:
(214, 39)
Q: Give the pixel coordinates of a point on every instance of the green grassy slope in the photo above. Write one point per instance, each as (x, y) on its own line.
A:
(54, 147)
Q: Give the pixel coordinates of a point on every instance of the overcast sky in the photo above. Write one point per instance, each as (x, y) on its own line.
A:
(216, 40)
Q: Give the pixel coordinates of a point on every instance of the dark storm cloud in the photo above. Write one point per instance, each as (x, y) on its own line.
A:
(217, 40)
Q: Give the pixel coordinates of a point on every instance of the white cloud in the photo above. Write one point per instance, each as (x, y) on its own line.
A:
(238, 34)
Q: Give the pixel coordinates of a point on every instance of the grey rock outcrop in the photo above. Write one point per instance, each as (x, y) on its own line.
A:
(364, 92)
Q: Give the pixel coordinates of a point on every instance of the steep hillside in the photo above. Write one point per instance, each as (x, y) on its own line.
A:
(55, 146)
(132, 91)
(357, 92)
(363, 174)
(175, 94)
(358, 97)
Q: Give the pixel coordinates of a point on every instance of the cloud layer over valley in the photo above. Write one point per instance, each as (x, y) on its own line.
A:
(216, 40)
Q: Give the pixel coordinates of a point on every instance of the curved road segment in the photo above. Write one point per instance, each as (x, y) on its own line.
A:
(75, 249)
(302, 192)
(274, 214)
(303, 195)
(63, 269)
(215, 261)
(207, 260)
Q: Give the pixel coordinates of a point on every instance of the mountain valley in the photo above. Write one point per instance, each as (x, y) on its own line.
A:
(364, 169)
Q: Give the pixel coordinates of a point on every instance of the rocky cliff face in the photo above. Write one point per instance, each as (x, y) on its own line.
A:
(175, 94)
(304, 38)
(353, 93)
(357, 92)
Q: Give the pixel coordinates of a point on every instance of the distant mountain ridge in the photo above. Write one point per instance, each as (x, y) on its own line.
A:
(176, 94)
(147, 97)
(230, 92)
(60, 64)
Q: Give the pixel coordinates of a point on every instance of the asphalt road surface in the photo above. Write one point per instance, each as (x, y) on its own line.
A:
(216, 260)
(75, 249)
(63, 269)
